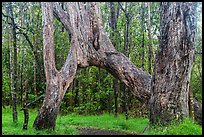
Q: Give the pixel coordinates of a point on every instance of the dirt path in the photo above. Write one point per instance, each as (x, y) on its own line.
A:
(93, 131)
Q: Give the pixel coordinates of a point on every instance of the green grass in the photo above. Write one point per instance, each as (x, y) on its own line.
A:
(186, 127)
(9, 128)
(105, 121)
(67, 125)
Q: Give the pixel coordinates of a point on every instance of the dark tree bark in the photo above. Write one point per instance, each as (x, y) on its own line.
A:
(22, 75)
(113, 25)
(116, 90)
(143, 31)
(76, 100)
(126, 53)
(14, 95)
(173, 65)
(24, 106)
(197, 111)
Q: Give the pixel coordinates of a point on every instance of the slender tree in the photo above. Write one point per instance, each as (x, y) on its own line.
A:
(113, 25)
(24, 105)
(150, 40)
(143, 31)
(14, 95)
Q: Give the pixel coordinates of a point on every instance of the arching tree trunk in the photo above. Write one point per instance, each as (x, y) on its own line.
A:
(90, 46)
(173, 65)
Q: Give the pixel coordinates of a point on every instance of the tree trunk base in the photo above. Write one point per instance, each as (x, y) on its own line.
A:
(46, 119)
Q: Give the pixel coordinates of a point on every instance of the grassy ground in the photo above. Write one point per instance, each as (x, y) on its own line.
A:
(67, 125)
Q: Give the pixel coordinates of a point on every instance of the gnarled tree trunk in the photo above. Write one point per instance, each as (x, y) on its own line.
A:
(173, 65)
(90, 46)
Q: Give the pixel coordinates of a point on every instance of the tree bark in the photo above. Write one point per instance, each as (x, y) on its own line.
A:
(57, 82)
(173, 65)
(197, 111)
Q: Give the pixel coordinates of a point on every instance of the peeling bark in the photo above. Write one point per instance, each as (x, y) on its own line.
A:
(57, 82)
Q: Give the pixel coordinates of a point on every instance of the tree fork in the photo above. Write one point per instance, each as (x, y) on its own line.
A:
(57, 82)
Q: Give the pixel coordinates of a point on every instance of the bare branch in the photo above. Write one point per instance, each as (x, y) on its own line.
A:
(62, 16)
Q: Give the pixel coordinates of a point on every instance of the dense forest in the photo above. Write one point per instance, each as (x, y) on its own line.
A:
(129, 59)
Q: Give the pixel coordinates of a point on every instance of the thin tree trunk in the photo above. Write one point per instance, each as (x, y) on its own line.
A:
(22, 77)
(14, 95)
(74, 85)
(172, 71)
(113, 25)
(10, 61)
(150, 40)
(126, 53)
(34, 80)
(116, 90)
(143, 29)
(76, 102)
(24, 107)
(10, 74)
